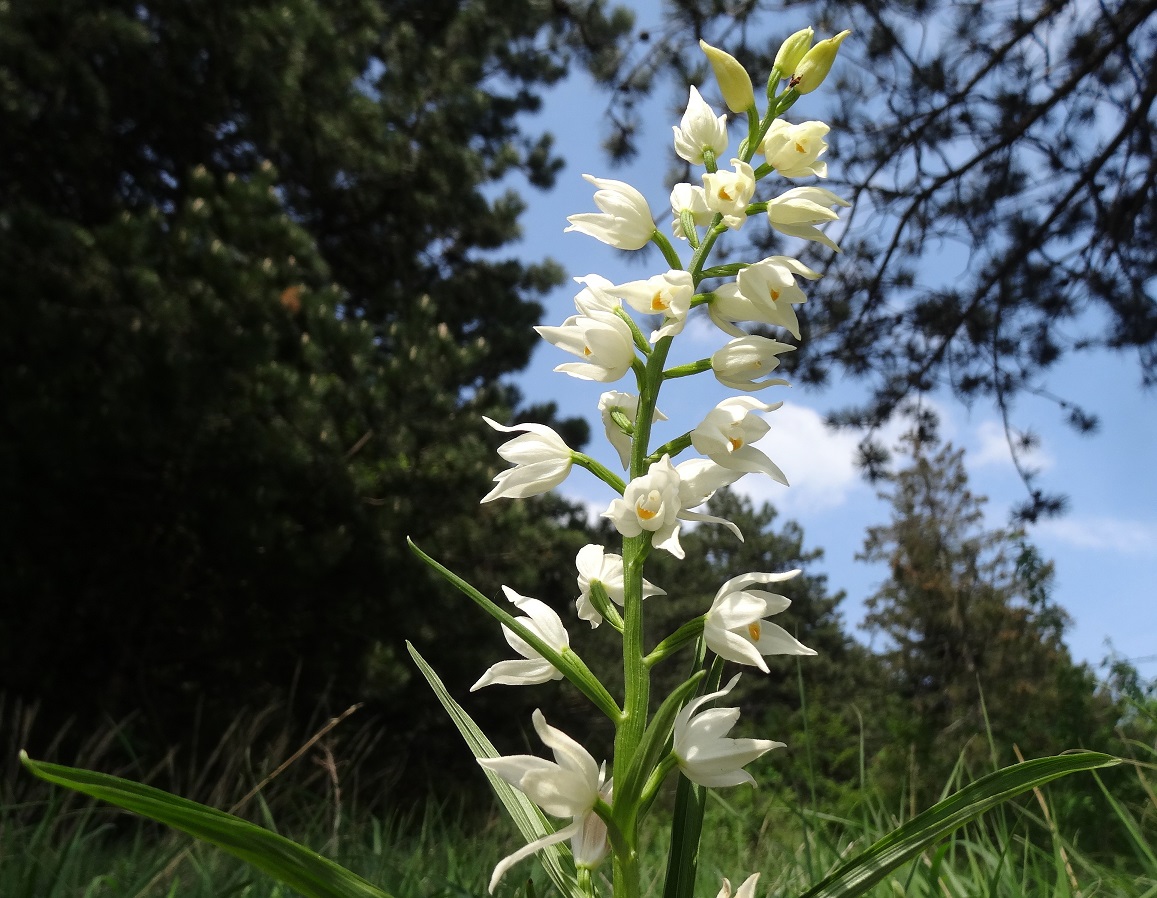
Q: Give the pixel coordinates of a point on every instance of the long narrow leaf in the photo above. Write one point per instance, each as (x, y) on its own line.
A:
(861, 873)
(526, 815)
(296, 866)
(567, 662)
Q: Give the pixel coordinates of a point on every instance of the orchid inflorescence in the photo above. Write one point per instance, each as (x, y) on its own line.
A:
(685, 733)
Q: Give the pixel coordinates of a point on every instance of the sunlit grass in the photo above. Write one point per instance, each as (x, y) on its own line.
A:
(55, 844)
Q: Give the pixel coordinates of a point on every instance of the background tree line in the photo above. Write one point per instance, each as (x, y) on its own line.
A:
(258, 302)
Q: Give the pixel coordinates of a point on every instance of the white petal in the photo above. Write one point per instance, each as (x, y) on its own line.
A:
(518, 673)
(534, 847)
(775, 640)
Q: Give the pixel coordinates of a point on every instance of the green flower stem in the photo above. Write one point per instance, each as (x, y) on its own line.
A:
(654, 746)
(785, 101)
(605, 474)
(772, 83)
(641, 342)
(640, 371)
(754, 134)
(690, 368)
(604, 606)
(636, 696)
(651, 788)
(618, 844)
(725, 271)
(585, 883)
(693, 629)
(686, 819)
(649, 385)
(672, 448)
(672, 257)
(704, 248)
(636, 676)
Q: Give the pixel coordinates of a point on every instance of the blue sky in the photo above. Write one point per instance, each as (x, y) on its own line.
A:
(1104, 548)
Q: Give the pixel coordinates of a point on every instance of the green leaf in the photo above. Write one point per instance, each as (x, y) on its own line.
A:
(296, 866)
(654, 741)
(531, 822)
(567, 662)
(901, 845)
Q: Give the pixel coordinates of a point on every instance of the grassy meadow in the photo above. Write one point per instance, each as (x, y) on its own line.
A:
(55, 844)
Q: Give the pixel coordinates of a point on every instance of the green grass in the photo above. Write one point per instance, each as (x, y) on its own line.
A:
(55, 844)
(66, 847)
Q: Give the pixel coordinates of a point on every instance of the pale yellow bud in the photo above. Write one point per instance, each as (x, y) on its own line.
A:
(816, 64)
(734, 82)
(792, 50)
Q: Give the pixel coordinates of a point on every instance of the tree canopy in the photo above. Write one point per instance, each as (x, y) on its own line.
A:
(259, 297)
(973, 657)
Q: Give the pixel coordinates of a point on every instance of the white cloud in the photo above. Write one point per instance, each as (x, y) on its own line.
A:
(991, 448)
(819, 461)
(1103, 534)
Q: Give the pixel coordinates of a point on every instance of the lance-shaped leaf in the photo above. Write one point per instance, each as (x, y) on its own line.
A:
(298, 867)
(531, 822)
(862, 872)
(654, 743)
(568, 663)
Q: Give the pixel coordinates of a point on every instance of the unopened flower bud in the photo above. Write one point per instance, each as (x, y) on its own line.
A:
(734, 82)
(792, 50)
(816, 64)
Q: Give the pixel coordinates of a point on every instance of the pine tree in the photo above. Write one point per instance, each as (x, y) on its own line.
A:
(973, 644)
(257, 304)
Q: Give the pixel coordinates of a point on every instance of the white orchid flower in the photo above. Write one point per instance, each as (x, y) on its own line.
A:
(765, 292)
(624, 221)
(727, 433)
(700, 129)
(541, 462)
(668, 294)
(601, 339)
(747, 890)
(794, 150)
(730, 306)
(741, 363)
(596, 565)
(735, 628)
(543, 622)
(701, 747)
(628, 405)
(569, 786)
(688, 198)
(797, 211)
(729, 192)
(651, 502)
